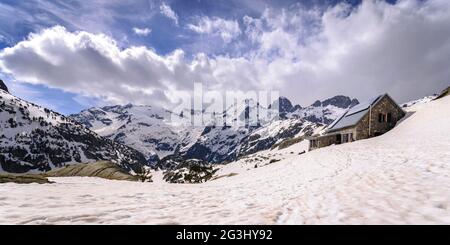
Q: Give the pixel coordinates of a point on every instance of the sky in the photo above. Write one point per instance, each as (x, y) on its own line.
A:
(72, 55)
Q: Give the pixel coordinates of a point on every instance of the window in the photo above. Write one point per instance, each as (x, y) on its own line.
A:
(350, 137)
(381, 117)
(389, 117)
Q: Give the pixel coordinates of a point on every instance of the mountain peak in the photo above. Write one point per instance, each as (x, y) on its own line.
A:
(340, 101)
(317, 103)
(3, 86)
(284, 105)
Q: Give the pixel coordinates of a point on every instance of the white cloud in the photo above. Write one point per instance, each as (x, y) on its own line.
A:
(93, 65)
(226, 29)
(374, 48)
(142, 32)
(167, 11)
(402, 49)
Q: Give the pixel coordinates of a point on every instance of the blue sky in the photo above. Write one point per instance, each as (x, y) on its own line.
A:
(210, 41)
(122, 16)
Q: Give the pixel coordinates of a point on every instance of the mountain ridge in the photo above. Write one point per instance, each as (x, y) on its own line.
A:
(150, 129)
(34, 138)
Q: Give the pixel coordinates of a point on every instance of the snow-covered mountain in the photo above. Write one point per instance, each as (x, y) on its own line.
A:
(147, 129)
(153, 131)
(284, 106)
(325, 111)
(273, 133)
(34, 138)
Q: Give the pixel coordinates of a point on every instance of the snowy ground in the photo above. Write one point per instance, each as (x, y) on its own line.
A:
(397, 178)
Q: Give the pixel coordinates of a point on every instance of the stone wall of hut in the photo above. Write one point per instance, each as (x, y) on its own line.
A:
(322, 141)
(384, 107)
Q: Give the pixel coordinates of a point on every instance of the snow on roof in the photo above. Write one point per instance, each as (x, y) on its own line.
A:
(363, 106)
(353, 114)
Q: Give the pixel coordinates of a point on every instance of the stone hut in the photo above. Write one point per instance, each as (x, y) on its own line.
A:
(362, 121)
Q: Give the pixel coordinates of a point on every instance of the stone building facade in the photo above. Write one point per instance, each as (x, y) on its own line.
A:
(373, 118)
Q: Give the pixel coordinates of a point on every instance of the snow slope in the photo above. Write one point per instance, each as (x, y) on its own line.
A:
(401, 177)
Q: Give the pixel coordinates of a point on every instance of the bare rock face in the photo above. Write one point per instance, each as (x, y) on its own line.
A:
(34, 138)
(179, 170)
(3, 86)
(340, 101)
(101, 169)
(326, 111)
(23, 179)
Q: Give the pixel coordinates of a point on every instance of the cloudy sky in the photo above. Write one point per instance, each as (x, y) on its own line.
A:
(71, 55)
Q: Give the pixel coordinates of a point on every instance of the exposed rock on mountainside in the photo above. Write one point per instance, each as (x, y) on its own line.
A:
(147, 129)
(284, 107)
(101, 169)
(36, 138)
(325, 111)
(179, 170)
(3, 86)
(23, 179)
(216, 144)
(340, 101)
(264, 138)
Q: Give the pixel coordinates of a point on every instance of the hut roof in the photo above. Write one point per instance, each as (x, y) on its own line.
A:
(353, 115)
